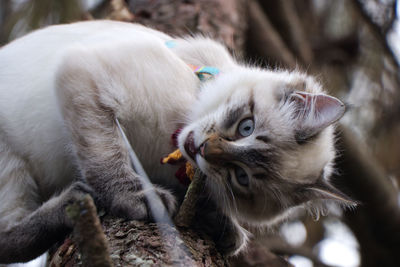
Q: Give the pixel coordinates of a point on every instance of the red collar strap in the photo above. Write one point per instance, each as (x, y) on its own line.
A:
(185, 172)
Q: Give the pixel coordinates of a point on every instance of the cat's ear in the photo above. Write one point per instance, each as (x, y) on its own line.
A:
(321, 190)
(314, 112)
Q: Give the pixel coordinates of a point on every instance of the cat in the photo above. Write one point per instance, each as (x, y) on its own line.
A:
(264, 138)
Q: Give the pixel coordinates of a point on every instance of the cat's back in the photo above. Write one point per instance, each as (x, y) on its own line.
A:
(28, 68)
(34, 59)
(30, 118)
(36, 56)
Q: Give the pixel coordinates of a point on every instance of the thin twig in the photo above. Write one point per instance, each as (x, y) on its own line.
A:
(266, 39)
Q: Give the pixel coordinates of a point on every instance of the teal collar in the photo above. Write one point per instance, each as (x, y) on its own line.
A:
(204, 73)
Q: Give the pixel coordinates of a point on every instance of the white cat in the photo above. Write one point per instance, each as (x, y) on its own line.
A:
(263, 138)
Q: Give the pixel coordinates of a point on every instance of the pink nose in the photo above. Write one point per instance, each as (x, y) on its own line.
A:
(216, 149)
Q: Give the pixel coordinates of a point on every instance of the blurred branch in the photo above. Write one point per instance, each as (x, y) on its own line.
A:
(376, 223)
(368, 181)
(257, 254)
(382, 15)
(5, 13)
(296, 32)
(392, 18)
(377, 32)
(120, 11)
(280, 247)
(265, 39)
(102, 10)
(34, 14)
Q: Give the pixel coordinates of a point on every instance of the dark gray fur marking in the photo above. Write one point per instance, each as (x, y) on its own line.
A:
(264, 139)
(233, 116)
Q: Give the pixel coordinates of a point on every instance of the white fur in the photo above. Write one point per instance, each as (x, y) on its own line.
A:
(31, 124)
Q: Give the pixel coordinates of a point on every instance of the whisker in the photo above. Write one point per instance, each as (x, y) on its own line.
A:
(233, 199)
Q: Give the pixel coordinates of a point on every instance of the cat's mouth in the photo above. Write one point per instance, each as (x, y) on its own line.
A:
(190, 147)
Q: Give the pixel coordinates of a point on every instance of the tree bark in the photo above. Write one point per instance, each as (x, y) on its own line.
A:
(224, 20)
(134, 243)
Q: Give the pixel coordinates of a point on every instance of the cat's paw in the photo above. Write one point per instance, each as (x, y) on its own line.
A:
(143, 204)
(168, 200)
(75, 192)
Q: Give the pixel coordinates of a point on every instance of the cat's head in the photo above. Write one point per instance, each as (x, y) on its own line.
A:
(265, 141)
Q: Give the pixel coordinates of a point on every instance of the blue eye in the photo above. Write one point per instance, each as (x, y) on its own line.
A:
(246, 127)
(241, 177)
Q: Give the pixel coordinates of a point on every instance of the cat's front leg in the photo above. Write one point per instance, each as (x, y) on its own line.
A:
(90, 102)
(32, 232)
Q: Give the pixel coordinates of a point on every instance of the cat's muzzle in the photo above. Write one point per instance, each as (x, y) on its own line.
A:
(216, 149)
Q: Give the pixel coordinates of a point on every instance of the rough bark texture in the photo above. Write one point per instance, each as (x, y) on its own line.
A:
(134, 243)
(187, 210)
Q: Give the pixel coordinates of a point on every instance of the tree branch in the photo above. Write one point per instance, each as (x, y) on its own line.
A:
(265, 39)
(188, 208)
(375, 30)
(376, 223)
(297, 33)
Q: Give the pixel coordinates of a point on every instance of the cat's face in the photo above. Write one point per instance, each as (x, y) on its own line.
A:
(264, 141)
